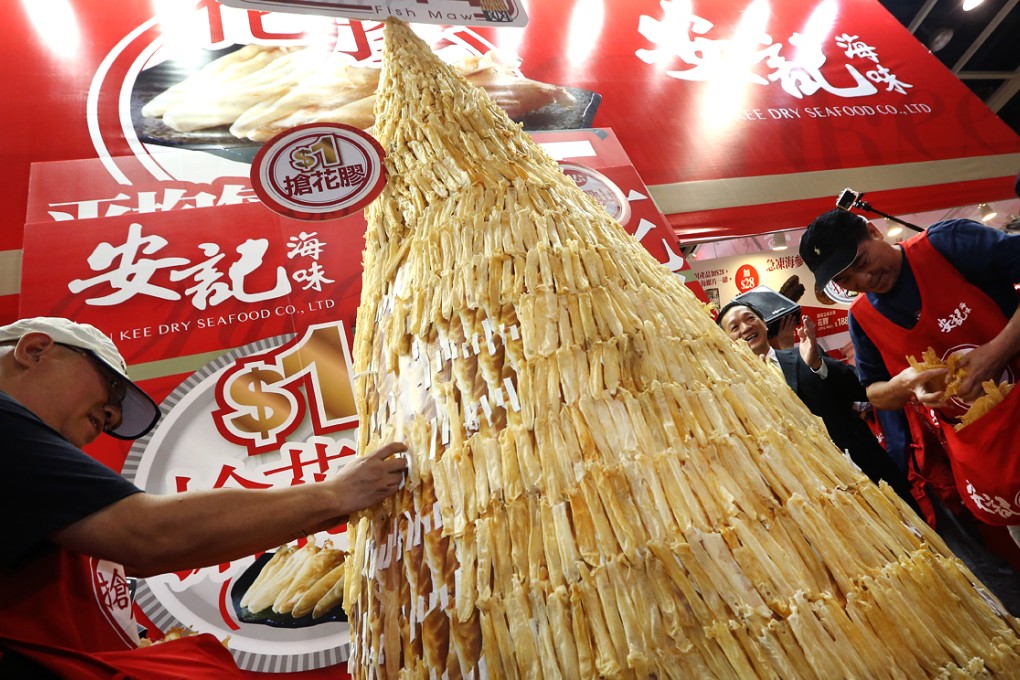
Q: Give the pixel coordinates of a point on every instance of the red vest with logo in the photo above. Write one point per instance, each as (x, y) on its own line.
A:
(955, 317)
(72, 614)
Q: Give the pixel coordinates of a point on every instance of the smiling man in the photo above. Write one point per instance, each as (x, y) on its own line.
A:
(951, 288)
(69, 522)
(830, 389)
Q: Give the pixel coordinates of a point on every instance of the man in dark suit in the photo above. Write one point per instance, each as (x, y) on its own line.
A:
(830, 389)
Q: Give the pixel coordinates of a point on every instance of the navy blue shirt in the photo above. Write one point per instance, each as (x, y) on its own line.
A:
(47, 484)
(985, 257)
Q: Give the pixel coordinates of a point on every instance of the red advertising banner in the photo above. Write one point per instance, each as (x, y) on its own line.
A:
(741, 116)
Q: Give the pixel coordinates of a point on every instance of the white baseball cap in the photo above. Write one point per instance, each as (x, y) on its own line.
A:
(139, 412)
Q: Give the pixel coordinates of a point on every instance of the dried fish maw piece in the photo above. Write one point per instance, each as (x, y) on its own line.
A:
(357, 561)
(435, 635)
(846, 635)
(655, 504)
(464, 588)
(514, 94)
(312, 563)
(737, 662)
(557, 470)
(527, 459)
(638, 483)
(813, 638)
(676, 617)
(584, 598)
(561, 628)
(569, 554)
(512, 485)
(497, 649)
(268, 570)
(841, 563)
(616, 499)
(779, 642)
(772, 577)
(739, 593)
(505, 561)
(467, 641)
(330, 583)
(543, 634)
(518, 614)
(581, 634)
(281, 579)
(248, 58)
(518, 535)
(489, 458)
(993, 396)
(552, 550)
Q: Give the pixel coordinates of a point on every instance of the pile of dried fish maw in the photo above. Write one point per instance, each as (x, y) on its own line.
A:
(602, 483)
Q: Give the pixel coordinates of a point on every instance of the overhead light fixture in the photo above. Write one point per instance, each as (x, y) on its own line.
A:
(940, 38)
(987, 212)
(968, 5)
(779, 241)
(892, 229)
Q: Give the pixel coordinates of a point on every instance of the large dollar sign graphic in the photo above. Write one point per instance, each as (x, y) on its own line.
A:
(264, 410)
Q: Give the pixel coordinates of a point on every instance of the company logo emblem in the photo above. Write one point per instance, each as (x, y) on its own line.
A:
(601, 188)
(839, 294)
(955, 318)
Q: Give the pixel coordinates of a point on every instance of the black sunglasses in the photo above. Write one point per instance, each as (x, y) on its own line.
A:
(118, 388)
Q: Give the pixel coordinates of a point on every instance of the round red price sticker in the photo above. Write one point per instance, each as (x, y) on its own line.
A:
(319, 171)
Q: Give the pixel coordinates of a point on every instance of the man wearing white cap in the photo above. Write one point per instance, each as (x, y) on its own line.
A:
(69, 522)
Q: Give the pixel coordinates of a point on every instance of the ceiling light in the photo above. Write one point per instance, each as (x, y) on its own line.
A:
(779, 241)
(988, 213)
(892, 229)
(968, 5)
(940, 38)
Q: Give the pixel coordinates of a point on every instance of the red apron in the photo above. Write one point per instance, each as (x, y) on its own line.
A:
(957, 317)
(72, 614)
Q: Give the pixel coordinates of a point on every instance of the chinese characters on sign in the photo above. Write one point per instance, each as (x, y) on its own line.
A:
(133, 268)
(682, 37)
(773, 264)
(188, 195)
(318, 171)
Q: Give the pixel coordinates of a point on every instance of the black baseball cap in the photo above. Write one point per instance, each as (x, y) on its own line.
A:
(830, 244)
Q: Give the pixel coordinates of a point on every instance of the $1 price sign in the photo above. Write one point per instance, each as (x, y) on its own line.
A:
(260, 398)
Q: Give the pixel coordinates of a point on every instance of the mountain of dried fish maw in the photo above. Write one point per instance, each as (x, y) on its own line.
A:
(601, 483)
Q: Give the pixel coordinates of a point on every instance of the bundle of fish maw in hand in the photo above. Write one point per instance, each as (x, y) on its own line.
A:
(994, 393)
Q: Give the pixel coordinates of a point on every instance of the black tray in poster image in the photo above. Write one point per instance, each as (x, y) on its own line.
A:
(219, 141)
(268, 617)
(772, 305)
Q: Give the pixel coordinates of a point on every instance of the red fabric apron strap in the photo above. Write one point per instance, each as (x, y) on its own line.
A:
(956, 317)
